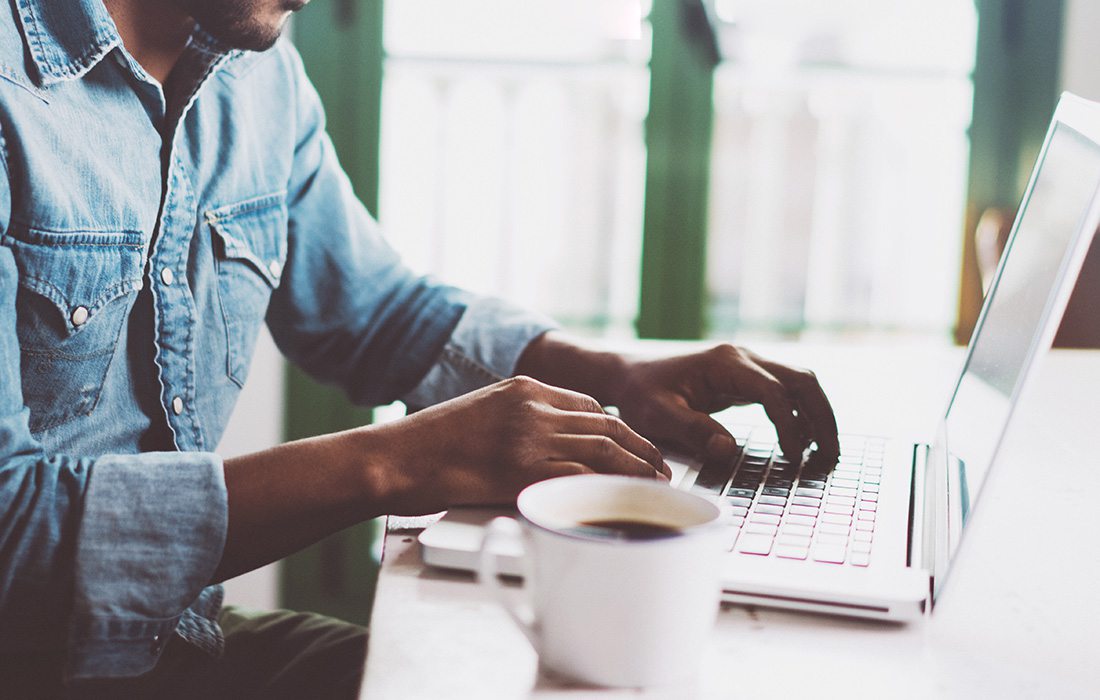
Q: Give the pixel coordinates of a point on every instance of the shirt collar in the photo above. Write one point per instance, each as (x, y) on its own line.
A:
(66, 38)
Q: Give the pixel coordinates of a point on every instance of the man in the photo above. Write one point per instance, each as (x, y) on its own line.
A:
(167, 187)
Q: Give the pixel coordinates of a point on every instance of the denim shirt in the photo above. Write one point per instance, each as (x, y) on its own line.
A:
(145, 235)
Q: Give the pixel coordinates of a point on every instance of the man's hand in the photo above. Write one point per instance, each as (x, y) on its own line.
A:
(488, 445)
(669, 400)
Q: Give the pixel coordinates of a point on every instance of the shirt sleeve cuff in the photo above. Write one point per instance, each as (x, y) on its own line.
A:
(483, 348)
(151, 538)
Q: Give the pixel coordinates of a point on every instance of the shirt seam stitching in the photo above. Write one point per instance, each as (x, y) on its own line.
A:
(453, 354)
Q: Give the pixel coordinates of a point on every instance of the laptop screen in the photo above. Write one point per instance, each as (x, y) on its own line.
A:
(1051, 217)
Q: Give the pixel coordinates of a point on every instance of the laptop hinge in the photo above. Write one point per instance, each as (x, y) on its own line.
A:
(915, 555)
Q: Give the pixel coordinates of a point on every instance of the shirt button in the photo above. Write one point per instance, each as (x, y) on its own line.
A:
(167, 276)
(79, 316)
(177, 405)
(275, 268)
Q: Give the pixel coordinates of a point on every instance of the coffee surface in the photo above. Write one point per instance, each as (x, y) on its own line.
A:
(632, 530)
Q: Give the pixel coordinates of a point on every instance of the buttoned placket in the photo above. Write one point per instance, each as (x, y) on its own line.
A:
(174, 314)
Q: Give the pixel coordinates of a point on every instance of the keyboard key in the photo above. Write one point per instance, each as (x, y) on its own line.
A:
(739, 511)
(795, 519)
(790, 528)
(834, 519)
(775, 491)
(762, 529)
(811, 484)
(838, 509)
(804, 501)
(860, 536)
(865, 525)
(803, 510)
(750, 543)
(729, 537)
(788, 551)
(781, 482)
(809, 493)
(829, 538)
(833, 528)
(863, 547)
(832, 553)
(738, 501)
(772, 500)
(867, 515)
(765, 508)
(872, 480)
(870, 497)
(766, 518)
(741, 493)
(838, 491)
(868, 505)
(870, 488)
(840, 500)
(845, 483)
(800, 540)
(861, 559)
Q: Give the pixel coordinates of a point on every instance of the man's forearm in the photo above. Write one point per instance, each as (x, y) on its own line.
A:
(287, 497)
(557, 360)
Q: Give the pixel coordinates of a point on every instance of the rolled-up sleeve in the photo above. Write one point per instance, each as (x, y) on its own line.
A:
(97, 556)
(151, 536)
(484, 348)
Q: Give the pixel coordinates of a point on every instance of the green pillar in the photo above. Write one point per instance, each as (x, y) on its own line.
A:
(1016, 77)
(341, 45)
(678, 142)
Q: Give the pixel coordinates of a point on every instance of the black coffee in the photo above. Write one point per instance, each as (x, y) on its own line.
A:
(632, 530)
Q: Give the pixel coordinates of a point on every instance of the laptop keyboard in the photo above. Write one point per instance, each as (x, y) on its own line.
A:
(809, 511)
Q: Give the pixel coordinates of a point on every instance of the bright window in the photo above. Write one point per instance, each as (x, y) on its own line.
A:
(513, 158)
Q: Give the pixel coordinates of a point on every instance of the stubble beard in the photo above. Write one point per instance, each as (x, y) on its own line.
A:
(234, 22)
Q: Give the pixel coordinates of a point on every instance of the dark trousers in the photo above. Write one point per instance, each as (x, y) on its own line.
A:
(273, 655)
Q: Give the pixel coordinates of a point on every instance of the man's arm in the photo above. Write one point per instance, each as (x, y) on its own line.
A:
(480, 448)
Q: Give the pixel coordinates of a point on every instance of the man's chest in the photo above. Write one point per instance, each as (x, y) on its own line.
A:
(103, 205)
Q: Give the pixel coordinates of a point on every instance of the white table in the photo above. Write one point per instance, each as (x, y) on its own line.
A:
(1018, 618)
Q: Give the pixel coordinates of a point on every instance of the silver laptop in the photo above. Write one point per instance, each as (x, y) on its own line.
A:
(875, 534)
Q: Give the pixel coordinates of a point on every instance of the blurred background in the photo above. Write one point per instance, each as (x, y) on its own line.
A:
(728, 169)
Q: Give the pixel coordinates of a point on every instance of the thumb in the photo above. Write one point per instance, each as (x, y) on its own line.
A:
(696, 432)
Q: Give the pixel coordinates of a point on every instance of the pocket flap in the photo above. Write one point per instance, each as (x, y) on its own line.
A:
(254, 232)
(77, 270)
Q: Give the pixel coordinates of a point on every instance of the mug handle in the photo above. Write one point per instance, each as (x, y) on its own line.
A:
(507, 530)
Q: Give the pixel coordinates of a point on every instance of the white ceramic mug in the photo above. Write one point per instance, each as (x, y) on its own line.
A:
(613, 612)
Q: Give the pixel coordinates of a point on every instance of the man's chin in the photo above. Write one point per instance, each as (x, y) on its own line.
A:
(248, 38)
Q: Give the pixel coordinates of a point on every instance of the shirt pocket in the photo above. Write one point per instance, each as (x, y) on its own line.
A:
(75, 291)
(250, 248)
